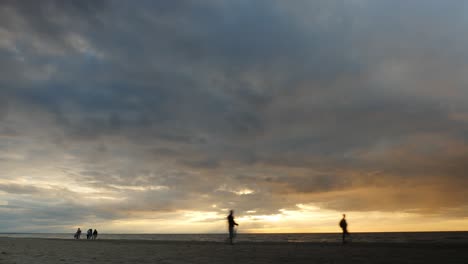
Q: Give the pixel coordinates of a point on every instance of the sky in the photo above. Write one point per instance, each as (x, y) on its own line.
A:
(161, 116)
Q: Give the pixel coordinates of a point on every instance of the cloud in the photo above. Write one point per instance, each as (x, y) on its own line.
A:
(148, 108)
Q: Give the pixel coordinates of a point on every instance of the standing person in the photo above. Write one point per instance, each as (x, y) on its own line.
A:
(344, 227)
(78, 233)
(231, 224)
(95, 233)
(89, 234)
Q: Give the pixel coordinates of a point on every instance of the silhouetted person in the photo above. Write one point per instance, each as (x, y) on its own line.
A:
(78, 233)
(95, 233)
(344, 227)
(89, 234)
(231, 224)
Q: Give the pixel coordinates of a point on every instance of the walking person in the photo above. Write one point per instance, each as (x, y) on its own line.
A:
(89, 234)
(344, 227)
(95, 234)
(231, 224)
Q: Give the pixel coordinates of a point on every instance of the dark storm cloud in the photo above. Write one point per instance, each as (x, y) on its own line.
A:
(296, 101)
(49, 20)
(3, 106)
(159, 94)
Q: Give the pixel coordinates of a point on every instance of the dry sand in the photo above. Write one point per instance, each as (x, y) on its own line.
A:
(36, 251)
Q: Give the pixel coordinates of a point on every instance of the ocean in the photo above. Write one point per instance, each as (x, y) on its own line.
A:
(390, 237)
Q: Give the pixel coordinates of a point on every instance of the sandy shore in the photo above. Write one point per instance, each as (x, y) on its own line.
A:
(24, 250)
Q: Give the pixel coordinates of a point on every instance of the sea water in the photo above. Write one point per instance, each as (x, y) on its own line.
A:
(390, 237)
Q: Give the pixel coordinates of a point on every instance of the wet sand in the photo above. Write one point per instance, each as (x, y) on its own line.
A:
(26, 250)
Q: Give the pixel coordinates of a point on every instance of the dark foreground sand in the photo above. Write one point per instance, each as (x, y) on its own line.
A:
(24, 250)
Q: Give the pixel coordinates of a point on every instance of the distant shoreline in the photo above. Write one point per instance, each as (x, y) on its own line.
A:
(221, 233)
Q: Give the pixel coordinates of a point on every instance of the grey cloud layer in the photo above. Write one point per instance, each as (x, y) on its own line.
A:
(298, 101)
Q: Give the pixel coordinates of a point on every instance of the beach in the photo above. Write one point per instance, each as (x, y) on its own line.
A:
(37, 250)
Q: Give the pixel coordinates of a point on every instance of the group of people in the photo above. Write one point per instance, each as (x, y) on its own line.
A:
(90, 235)
(232, 232)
